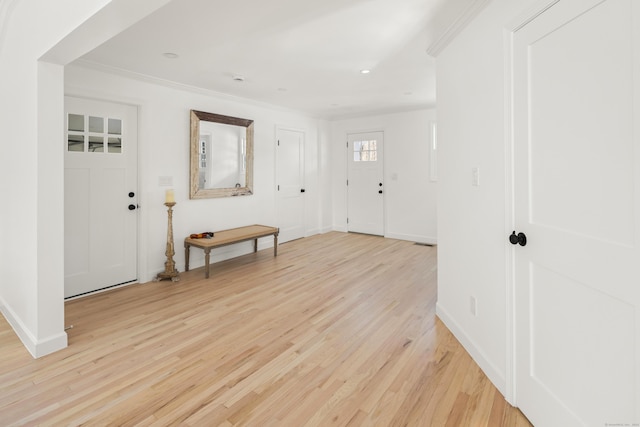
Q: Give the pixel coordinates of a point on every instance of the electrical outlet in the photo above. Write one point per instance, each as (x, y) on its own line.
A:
(473, 306)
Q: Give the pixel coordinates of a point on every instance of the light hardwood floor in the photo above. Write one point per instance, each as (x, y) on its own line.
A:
(338, 329)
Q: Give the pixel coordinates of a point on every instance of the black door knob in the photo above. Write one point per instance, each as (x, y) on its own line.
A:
(380, 184)
(380, 191)
(132, 207)
(131, 194)
(518, 239)
(302, 190)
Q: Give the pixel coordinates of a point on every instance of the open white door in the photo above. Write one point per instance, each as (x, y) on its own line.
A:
(365, 192)
(577, 199)
(100, 203)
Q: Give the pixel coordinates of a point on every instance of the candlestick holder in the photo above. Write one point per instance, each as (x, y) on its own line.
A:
(170, 271)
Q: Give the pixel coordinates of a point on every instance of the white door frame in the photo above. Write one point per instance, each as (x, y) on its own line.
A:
(142, 165)
(278, 129)
(536, 9)
(384, 181)
(510, 29)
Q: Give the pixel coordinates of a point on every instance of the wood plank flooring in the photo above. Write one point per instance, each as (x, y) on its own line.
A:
(337, 330)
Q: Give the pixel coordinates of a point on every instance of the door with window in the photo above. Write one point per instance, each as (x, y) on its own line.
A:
(100, 203)
(365, 185)
(577, 200)
(290, 183)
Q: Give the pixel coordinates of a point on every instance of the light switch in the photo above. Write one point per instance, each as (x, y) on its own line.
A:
(165, 181)
(475, 173)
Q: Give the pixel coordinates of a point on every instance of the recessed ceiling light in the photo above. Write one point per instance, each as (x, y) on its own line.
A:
(365, 71)
(170, 55)
(282, 89)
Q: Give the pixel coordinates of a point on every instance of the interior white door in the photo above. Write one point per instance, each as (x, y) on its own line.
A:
(290, 182)
(100, 202)
(365, 190)
(577, 199)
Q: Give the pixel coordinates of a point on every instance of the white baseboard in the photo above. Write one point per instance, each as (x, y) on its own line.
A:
(490, 370)
(311, 232)
(326, 229)
(413, 238)
(37, 348)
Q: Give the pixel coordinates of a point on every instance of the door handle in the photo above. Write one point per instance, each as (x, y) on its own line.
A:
(131, 194)
(302, 190)
(518, 239)
(132, 207)
(380, 191)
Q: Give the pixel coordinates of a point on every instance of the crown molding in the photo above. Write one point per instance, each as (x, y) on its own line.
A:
(145, 78)
(472, 10)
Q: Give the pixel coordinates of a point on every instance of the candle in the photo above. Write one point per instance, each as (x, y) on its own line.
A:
(169, 197)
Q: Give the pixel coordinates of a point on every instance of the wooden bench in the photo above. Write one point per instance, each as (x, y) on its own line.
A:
(229, 237)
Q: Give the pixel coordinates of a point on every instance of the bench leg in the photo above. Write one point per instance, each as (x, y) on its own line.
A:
(275, 244)
(206, 262)
(186, 256)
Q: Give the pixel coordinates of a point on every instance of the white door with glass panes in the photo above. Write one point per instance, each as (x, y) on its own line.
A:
(365, 185)
(577, 201)
(101, 200)
(290, 183)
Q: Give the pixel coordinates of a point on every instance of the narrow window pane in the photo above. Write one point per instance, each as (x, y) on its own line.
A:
(76, 123)
(96, 144)
(373, 156)
(357, 146)
(365, 156)
(75, 143)
(115, 145)
(373, 145)
(365, 145)
(96, 124)
(115, 126)
(356, 156)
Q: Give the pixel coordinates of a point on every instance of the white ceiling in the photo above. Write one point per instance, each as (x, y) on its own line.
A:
(304, 55)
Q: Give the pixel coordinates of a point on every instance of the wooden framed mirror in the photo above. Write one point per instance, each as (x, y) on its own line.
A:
(221, 156)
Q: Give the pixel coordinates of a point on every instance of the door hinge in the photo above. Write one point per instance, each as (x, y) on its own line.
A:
(347, 182)
(347, 220)
(347, 144)
(278, 143)
(278, 187)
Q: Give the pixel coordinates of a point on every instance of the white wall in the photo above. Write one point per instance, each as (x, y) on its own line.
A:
(31, 171)
(410, 195)
(164, 152)
(31, 167)
(473, 221)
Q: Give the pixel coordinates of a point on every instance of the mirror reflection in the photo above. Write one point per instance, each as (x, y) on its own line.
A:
(221, 155)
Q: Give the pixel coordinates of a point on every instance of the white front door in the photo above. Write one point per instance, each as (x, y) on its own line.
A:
(100, 203)
(577, 199)
(290, 184)
(365, 192)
